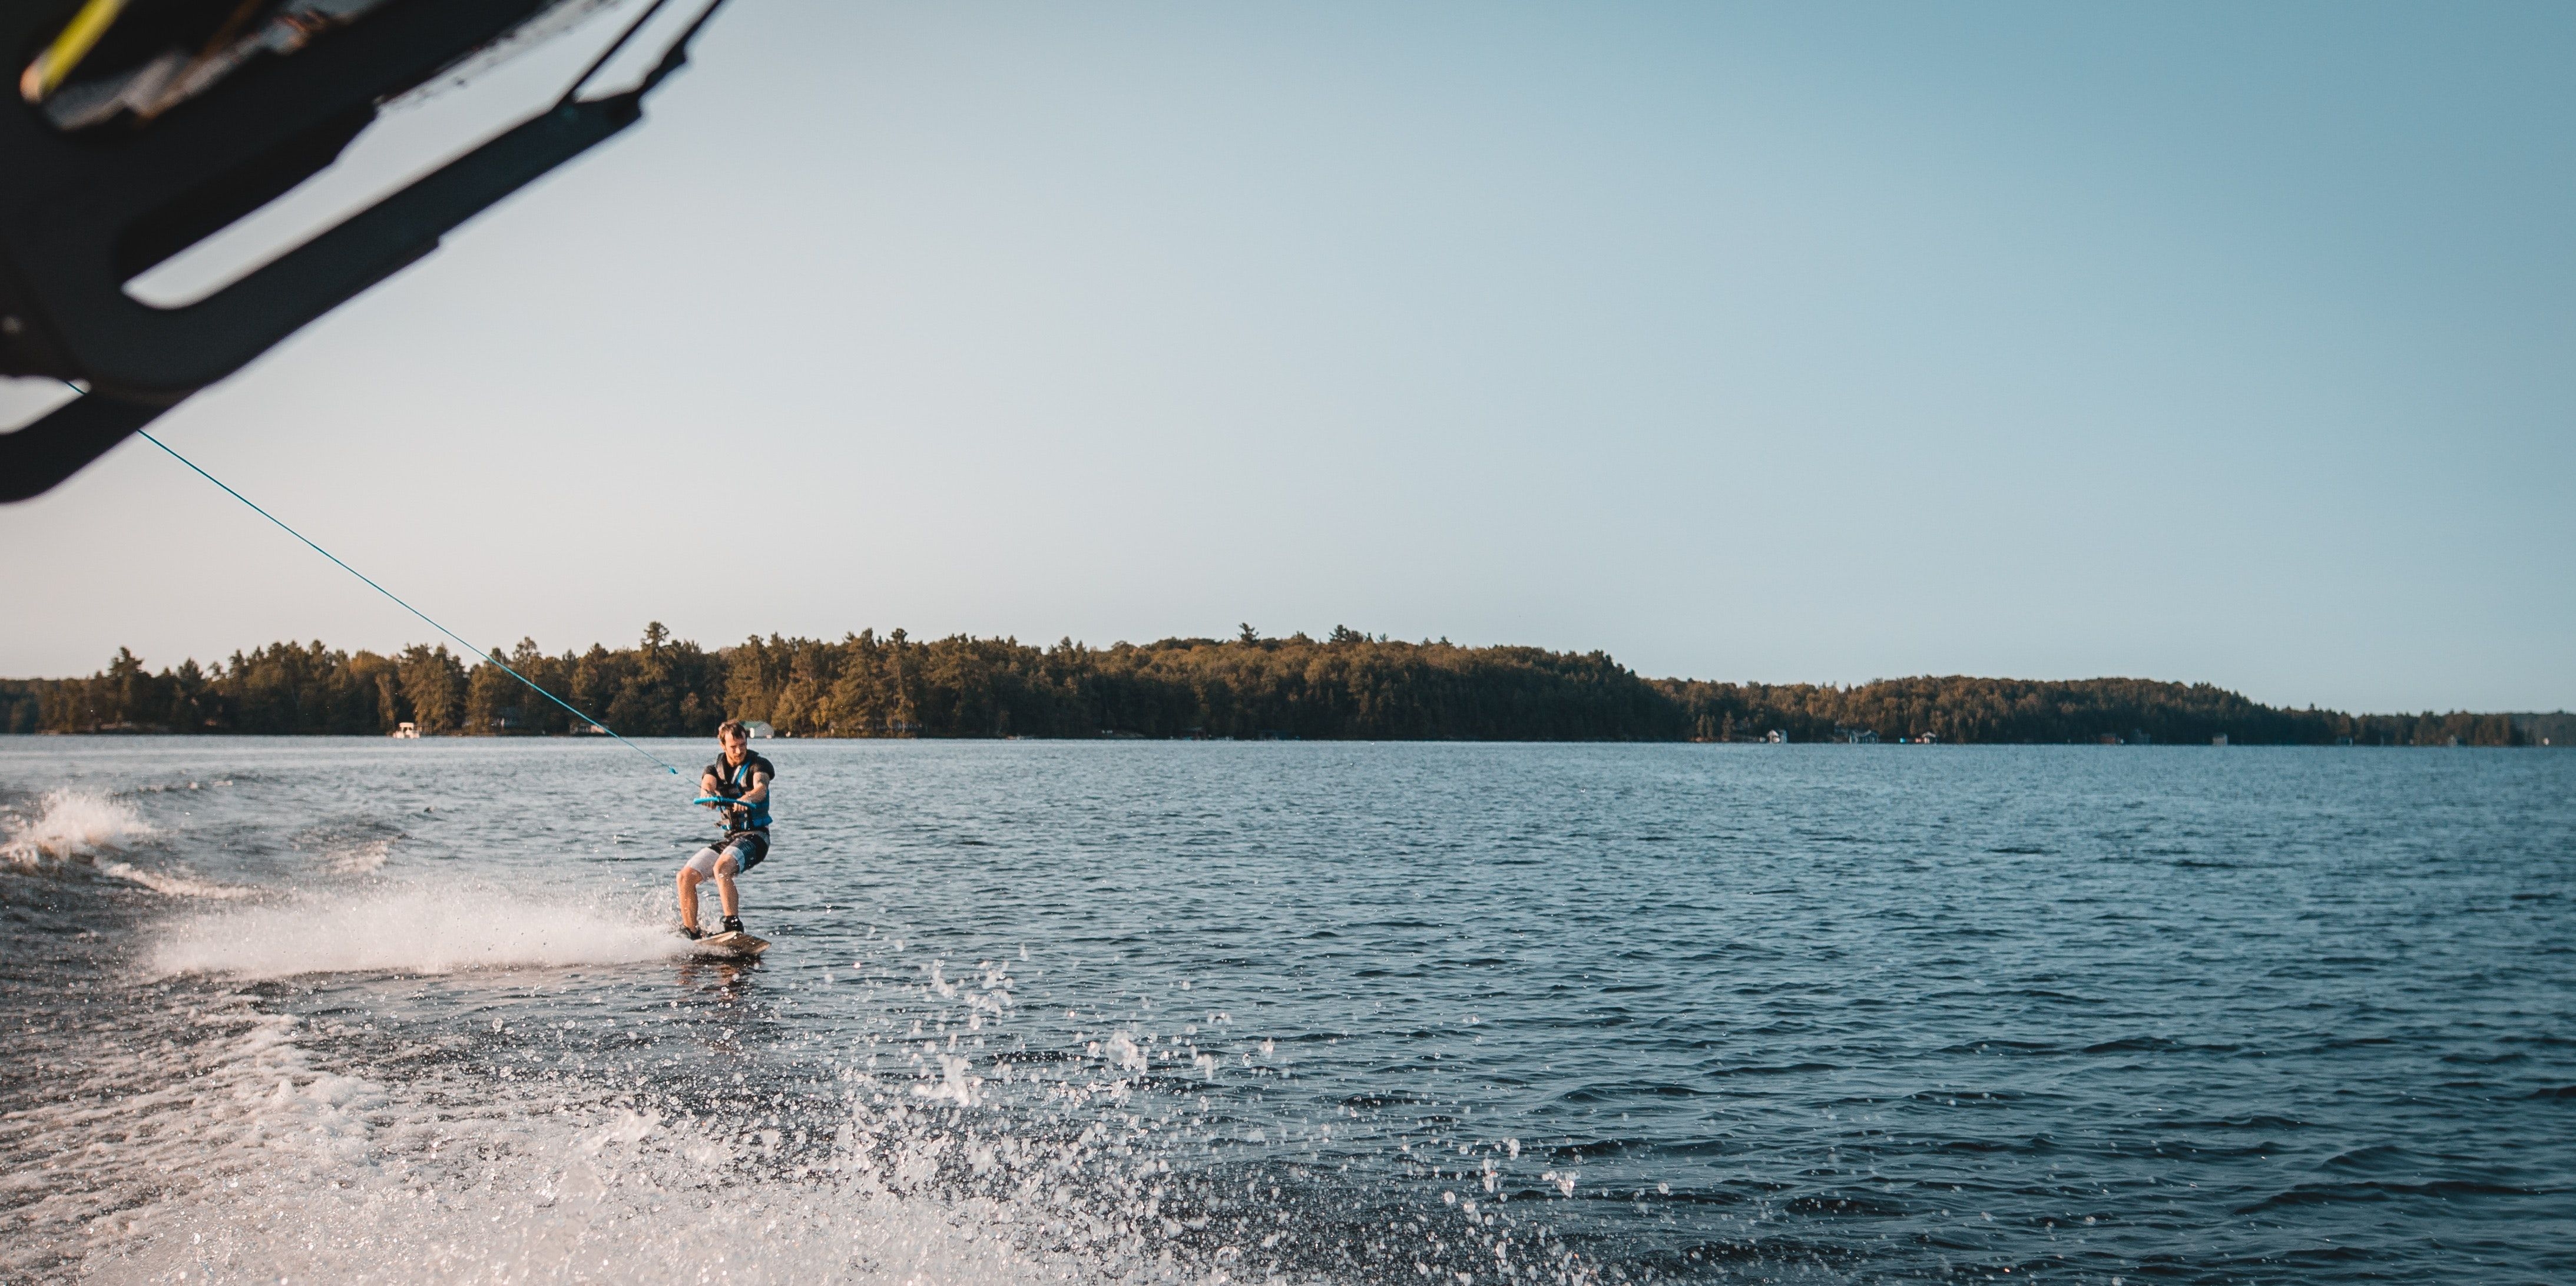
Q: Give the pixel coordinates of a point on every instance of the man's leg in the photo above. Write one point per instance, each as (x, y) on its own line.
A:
(691, 875)
(725, 867)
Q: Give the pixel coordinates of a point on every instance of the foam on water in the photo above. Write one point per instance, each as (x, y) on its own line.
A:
(177, 884)
(257, 1159)
(147, 1124)
(69, 825)
(359, 858)
(252, 1162)
(76, 828)
(354, 846)
(406, 930)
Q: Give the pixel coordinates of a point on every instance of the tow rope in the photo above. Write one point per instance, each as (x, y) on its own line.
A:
(470, 649)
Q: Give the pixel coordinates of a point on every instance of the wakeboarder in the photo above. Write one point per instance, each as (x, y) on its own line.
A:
(736, 785)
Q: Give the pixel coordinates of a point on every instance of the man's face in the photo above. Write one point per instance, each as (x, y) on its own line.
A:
(735, 747)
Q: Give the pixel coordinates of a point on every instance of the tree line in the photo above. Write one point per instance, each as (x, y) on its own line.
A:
(1346, 686)
(1959, 709)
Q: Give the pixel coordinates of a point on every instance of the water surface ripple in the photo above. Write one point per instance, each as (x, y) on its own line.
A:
(1334, 1011)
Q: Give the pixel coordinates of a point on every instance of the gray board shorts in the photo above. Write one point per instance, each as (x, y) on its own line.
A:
(747, 847)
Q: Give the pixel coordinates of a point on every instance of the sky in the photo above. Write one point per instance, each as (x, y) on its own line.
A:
(2200, 342)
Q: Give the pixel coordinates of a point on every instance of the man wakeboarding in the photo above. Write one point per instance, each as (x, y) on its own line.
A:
(736, 785)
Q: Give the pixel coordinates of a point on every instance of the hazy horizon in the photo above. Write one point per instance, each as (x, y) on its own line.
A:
(2195, 344)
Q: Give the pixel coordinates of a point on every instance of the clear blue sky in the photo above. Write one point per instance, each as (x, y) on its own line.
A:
(2198, 342)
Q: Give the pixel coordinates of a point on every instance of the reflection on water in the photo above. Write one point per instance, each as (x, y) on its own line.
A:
(342, 1010)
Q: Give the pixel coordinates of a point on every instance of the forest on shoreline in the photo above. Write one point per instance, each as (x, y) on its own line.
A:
(1347, 686)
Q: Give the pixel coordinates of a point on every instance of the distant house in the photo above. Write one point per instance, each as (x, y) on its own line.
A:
(1776, 737)
(1856, 736)
(757, 728)
(407, 731)
(2219, 740)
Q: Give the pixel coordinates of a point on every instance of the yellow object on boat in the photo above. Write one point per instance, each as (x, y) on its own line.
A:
(54, 65)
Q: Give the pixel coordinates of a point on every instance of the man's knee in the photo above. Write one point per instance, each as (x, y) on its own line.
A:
(728, 866)
(689, 876)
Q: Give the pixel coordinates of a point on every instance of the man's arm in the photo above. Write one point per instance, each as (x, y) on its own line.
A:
(759, 792)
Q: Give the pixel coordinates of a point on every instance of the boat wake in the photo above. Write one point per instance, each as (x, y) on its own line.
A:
(75, 829)
(70, 825)
(408, 930)
(252, 1160)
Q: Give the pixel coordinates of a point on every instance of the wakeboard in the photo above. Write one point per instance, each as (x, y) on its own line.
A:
(736, 945)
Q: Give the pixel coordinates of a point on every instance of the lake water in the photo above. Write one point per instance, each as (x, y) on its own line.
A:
(322, 1010)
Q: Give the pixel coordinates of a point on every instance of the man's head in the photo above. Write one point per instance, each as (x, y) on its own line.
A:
(735, 740)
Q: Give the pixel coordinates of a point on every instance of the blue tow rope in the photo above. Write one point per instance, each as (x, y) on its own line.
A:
(460, 641)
